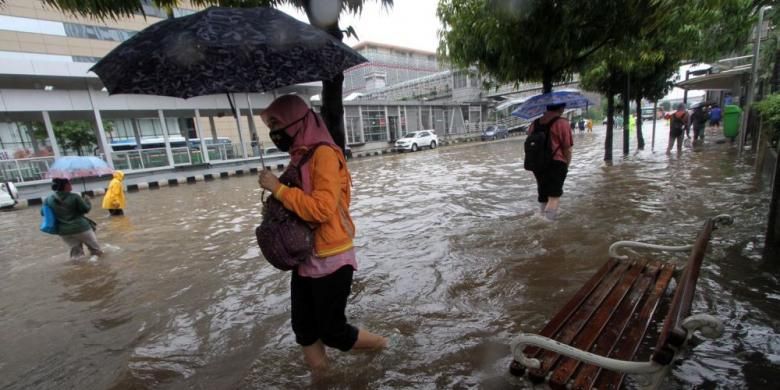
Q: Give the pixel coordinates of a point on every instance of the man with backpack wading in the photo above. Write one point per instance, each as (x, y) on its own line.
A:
(548, 155)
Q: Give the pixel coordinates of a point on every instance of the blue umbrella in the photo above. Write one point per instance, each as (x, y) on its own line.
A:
(71, 167)
(535, 106)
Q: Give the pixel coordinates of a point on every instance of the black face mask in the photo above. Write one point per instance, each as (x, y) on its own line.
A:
(281, 139)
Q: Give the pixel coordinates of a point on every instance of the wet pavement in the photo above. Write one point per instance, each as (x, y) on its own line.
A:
(453, 262)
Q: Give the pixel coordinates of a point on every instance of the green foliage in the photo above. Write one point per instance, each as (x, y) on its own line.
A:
(533, 40)
(115, 9)
(769, 108)
(75, 135)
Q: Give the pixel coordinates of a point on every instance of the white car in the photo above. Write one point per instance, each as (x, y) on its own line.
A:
(417, 140)
(8, 195)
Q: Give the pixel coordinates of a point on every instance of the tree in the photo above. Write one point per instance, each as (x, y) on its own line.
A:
(696, 30)
(332, 90)
(533, 40)
(75, 135)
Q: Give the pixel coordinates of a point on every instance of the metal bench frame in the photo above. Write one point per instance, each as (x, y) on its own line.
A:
(674, 336)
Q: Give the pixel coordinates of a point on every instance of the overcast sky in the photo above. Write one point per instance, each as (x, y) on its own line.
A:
(409, 23)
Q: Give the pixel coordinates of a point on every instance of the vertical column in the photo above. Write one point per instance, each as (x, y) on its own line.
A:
(430, 118)
(419, 118)
(347, 138)
(452, 118)
(362, 131)
(401, 123)
(213, 128)
(387, 124)
(237, 115)
(252, 128)
(102, 140)
(204, 153)
(55, 147)
(168, 150)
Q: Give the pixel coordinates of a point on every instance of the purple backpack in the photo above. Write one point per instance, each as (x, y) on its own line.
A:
(284, 238)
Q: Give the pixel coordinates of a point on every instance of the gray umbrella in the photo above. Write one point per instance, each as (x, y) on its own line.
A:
(224, 50)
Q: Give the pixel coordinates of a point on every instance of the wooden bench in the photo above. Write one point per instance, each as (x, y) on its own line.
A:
(597, 337)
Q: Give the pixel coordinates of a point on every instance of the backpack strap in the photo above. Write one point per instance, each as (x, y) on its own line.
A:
(548, 128)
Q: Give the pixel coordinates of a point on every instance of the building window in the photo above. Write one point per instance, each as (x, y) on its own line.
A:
(352, 128)
(374, 126)
(459, 80)
(97, 32)
(63, 29)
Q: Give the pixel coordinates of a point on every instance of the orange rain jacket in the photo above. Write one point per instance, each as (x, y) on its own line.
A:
(328, 203)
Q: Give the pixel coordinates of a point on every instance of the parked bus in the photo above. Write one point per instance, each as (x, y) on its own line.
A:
(176, 141)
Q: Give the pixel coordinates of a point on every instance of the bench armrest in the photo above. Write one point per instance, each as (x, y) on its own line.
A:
(628, 367)
(635, 244)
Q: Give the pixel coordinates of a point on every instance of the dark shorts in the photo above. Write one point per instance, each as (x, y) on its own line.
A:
(318, 306)
(674, 133)
(549, 183)
(715, 122)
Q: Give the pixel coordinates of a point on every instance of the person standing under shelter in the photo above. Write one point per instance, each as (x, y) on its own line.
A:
(678, 125)
(699, 122)
(551, 163)
(114, 200)
(715, 116)
(72, 225)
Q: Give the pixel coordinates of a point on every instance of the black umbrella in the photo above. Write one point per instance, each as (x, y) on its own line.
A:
(224, 50)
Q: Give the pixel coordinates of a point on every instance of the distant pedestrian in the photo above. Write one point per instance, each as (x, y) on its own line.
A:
(678, 125)
(715, 116)
(581, 125)
(114, 200)
(590, 125)
(548, 155)
(71, 223)
(699, 122)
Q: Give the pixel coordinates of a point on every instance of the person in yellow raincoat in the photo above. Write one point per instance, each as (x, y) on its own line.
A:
(114, 200)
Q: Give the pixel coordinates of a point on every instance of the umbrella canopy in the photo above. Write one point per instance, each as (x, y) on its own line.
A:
(535, 106)
(71, 167)
(224, 50)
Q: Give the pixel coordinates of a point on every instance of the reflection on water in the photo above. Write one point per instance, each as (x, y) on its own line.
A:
(453, 262)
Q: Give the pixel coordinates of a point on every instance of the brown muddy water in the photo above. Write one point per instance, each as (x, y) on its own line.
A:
(453, 263)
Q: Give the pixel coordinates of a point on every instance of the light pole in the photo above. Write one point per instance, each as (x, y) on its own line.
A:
(753, 77)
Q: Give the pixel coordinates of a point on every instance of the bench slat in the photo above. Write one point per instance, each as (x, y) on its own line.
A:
(611, 336)
(579, 319)
(555, 324)
(608, 311)
(635, 332)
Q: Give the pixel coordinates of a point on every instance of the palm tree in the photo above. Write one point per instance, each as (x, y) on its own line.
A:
(332, 105)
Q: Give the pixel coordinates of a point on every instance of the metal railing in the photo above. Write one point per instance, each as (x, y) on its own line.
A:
(25, 169)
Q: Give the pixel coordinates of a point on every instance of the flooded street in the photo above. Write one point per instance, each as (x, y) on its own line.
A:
(453, 262)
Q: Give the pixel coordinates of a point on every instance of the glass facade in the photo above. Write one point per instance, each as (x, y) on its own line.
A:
(374, 124)
(63, 29)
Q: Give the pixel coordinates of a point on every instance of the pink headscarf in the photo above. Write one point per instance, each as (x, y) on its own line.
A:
(308, 132)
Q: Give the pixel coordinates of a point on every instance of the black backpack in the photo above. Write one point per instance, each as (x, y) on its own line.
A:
(538, 153)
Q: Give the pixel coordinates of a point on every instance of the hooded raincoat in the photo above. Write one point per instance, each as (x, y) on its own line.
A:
(115, 195)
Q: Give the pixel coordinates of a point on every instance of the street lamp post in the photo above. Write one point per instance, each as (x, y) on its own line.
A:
(753, 77)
